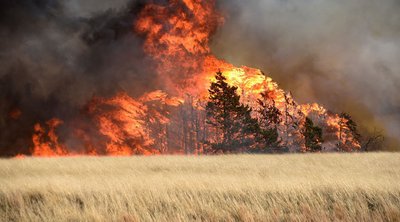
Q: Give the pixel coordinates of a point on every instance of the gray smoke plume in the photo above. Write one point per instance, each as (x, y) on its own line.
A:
(342, 54)
(56, 55)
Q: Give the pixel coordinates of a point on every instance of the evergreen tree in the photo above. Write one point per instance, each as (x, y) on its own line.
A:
(269, 119)
(351, 125)
(233, 119)
(313, 136)
(349, 138)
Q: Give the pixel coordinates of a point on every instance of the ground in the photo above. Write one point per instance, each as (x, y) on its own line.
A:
(312, 187)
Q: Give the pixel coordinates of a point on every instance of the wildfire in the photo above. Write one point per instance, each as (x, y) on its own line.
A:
(45, 140)
(177, 36)
(125, 121)
(15, 114)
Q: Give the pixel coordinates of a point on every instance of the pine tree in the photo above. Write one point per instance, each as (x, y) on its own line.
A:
(269, 119)
(349, 138)
(313, 136)
(233, 119)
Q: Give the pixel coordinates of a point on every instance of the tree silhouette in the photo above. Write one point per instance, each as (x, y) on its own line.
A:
(349, 138)
(269, 119)
(229, 117)
(312, 136)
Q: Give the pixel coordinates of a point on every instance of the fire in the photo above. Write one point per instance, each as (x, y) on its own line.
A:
(125, 121)
(313, 108)
(118, 119)
(45, 140)
(15, 114)
(20, 156)
(177, 36)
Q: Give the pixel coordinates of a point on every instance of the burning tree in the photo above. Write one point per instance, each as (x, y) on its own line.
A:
(313, 136)
(230, 118)
(293, 122)
(269, 119)
(349, 138)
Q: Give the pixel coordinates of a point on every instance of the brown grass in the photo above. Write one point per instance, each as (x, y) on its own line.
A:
(320, 187)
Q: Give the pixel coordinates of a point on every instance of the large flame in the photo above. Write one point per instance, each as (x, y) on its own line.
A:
(177, 36)
(45, 141)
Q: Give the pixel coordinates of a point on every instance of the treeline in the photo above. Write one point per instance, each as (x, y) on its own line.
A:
(225, 124)
(268, 128)
(239, 130)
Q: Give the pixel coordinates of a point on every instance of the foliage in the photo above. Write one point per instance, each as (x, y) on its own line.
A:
(351, 125)
(348, 127)
(269, 119)
(236, 128)
(313, 136)
(227, 115)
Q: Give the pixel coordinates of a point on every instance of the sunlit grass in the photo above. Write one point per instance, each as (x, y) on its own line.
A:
(320, 187)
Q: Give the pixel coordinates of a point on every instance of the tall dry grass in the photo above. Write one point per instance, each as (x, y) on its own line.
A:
(321, 187)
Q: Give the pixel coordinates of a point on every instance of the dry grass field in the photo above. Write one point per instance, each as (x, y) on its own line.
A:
(320, 187)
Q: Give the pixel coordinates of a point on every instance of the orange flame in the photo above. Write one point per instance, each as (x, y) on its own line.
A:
(45, 141)
(177, 36)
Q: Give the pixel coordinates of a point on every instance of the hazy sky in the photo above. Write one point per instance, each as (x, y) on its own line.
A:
(344, 54)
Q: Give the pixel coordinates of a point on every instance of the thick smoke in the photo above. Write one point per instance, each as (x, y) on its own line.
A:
(343, 54)
(56, 55)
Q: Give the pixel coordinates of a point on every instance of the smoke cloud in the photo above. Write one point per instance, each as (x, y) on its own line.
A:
(342, 54)
(56, 55)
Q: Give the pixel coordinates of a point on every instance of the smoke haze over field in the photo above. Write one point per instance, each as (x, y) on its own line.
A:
(56, 55)
(343, 54)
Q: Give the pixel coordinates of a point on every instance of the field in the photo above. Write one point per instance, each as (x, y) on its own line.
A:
(320, 187)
